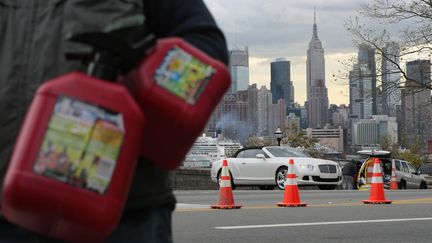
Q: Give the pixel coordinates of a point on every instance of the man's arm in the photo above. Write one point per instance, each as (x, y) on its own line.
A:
(188, 19)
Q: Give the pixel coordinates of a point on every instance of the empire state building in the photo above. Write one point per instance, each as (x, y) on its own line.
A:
(317, 97)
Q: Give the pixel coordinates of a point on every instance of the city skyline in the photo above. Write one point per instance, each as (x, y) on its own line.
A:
(251, 112)
(347, 73)
(246, 23)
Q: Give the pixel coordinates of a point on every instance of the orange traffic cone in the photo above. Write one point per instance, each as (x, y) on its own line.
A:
(291, 195)
(393, 182)
(377, 186)
(226, 199)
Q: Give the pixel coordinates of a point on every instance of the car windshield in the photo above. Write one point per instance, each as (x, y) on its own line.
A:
(426, 168)
(282, 152)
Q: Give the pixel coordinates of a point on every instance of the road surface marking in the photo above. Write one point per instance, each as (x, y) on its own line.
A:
(414, 201)
(321, 223)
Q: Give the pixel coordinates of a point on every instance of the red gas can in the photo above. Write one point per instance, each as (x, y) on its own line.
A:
(71, 168)
(178, 87)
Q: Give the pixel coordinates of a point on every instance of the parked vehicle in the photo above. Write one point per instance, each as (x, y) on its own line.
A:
(266, 167)
(407, 176)
(426, 169)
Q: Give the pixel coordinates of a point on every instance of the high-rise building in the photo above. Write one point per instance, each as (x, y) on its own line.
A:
(328, 137)
(227, 118)
(280, 82)
(365, 134)
(368, 133)
(360, 86)
(366, 60)
(231, 118)
(354, 93)
(243, 114)
(277, 115)
(239, 69)
(416, 103)
(361, 92)
(264, 100)
(317, 96)
(301, 112)
(391, 77)
(250, 97)
(230, 112)
(340, 117)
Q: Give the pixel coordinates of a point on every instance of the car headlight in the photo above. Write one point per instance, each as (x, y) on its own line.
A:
(309, 166)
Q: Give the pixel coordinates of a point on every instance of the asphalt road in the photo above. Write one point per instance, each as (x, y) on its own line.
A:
(330, 216)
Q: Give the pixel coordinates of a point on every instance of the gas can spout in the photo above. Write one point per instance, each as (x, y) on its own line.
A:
(111, 55)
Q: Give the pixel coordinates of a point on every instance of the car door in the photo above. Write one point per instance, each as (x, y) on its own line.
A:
(407, 176)
(415, 178)
(398, 170)
(252, 168)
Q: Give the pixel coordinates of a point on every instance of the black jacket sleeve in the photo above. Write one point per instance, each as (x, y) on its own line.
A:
(188, 19)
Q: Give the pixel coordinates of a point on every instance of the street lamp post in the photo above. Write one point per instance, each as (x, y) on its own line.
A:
(279, 135)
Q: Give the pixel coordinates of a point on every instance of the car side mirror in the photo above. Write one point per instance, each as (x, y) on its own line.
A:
(260, 156)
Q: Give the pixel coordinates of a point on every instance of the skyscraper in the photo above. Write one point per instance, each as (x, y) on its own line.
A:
(280, 82)
(230, 112)
(417, 112)
(360, 85)
(264, 100)
(239, 69)
(317, 97)
(391, 92)
(366, 59)
(276, 116)
(250, 97)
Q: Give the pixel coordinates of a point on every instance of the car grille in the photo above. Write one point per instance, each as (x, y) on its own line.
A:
(319, 179)
(327, 168)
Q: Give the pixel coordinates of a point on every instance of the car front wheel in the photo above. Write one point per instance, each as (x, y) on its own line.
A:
(423, 185)
(402, 184)
(280, 177)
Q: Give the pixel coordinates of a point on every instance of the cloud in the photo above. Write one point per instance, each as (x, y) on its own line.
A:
(261, 22)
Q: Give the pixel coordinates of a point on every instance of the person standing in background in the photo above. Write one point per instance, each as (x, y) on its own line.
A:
(348, 172)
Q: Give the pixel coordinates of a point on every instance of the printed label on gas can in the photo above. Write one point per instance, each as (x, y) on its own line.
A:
(81, 145)
(183, 75)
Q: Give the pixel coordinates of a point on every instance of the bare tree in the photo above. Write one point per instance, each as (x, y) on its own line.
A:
(409, 24)
(414, 39)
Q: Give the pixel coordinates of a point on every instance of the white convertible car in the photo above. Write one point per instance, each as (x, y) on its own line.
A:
(266, 167)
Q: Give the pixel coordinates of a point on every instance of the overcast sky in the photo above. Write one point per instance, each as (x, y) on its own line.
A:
(283, 28)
